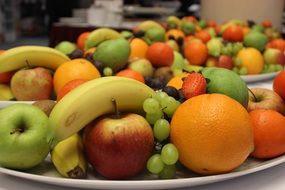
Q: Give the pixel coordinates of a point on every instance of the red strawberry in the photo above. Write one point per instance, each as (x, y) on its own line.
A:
(194, 84)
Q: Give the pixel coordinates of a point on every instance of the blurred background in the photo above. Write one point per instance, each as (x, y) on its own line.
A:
(46, 22)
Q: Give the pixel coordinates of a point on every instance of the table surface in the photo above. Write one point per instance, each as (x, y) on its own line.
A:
(268, 179)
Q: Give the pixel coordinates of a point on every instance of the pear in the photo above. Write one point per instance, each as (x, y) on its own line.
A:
(113, 53)
(45, 105)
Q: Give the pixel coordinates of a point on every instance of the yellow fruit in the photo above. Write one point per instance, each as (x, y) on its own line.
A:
(251, 59)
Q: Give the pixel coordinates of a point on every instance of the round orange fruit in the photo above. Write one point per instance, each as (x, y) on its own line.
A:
(212, 132)
(74, 69)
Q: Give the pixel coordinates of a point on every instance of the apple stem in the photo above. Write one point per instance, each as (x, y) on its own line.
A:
(28, 64)
(117, 114)
(255, 99)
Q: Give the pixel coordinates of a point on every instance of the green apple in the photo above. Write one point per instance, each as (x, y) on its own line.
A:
(6, 92)
(25, 136)
(225, 81)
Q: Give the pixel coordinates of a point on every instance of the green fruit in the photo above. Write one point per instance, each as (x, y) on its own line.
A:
(188, 27)
(65, 47)
(214, 46)
(178, 62)
(155, 35)
(255, 39)
(113, 53)
(225, 81)
(25, 136)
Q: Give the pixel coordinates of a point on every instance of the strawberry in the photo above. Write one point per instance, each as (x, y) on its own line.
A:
(193, 84)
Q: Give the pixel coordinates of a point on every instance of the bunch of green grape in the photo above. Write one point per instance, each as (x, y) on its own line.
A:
(158, 109)
(159, 106)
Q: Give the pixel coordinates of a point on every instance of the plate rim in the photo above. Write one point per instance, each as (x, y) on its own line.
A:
(142, 184)
(258, 77)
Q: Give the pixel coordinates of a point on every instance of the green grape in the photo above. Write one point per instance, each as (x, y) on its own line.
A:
(278, 67)
(168, 172)
(236, 47)
(154, 164)
(159, 95)
(243, 71)
(169, 154)
(107, 71)
(151, 106)
(169, 105)
(271, 68)
(161, 129)
(152, 118)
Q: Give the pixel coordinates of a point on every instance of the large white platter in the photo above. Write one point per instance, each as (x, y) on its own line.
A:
(46, 173)
(258, 78)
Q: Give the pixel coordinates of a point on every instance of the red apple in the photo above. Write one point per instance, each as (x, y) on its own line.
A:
(32, 84)
(118, 148)
(262, 98)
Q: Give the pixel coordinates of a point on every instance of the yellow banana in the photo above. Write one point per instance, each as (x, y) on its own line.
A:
(23, 56)
(99, 35)
(93, 99)
(68, 157)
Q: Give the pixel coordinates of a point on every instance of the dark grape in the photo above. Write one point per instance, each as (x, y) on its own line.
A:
(77, 53)
(155, 83)
(98, 65)
(139, 34)
(171, 91)
(89, 57)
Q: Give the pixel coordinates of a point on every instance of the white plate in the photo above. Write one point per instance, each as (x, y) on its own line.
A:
(258, 78)
(46, 173)
(6, 103)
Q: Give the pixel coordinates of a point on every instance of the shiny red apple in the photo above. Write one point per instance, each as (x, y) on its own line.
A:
(262, 98)
(118, 148)
(32, 84)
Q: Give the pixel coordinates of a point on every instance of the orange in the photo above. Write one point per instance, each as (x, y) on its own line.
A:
(203, 35)
(212, 132)
(160, 54)
(277, 43)
(68, 87)
(81, 40)
(74, 69)
(233, 33)
(196, 53)
(177, 81)
(279, 84)
(269, 133)
(251, 59)
(131, 74)
(175, 33)
(138, 48)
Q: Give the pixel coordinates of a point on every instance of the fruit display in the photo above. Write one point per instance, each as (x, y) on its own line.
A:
(155, 100)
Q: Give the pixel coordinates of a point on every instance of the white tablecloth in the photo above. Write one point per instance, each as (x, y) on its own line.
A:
(268, 179)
